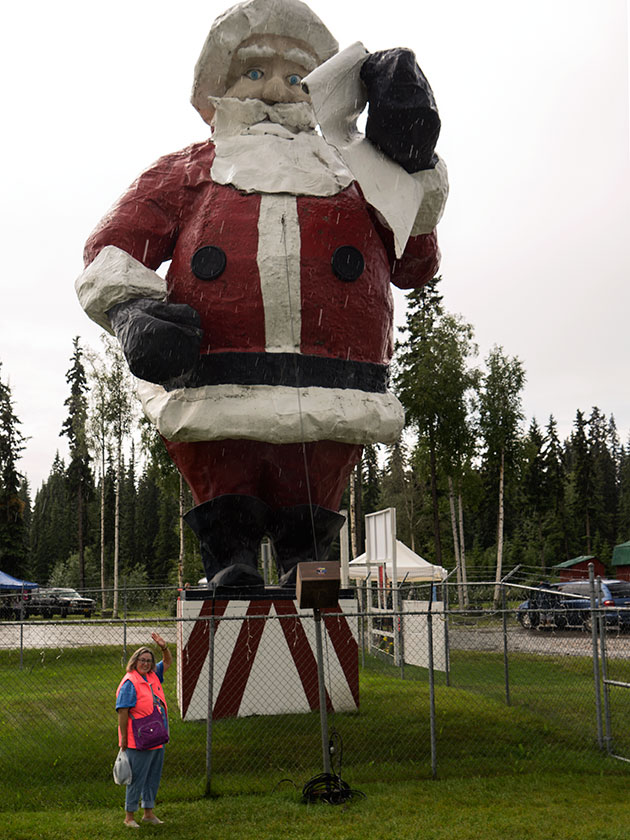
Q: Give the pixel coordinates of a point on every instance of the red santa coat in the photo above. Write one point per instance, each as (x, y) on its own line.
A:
(291, 351)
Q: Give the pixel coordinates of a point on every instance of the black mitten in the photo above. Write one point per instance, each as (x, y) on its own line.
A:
(160, 340)
(403, 120)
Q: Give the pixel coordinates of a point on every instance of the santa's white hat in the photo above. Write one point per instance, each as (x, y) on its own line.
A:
(288, 18)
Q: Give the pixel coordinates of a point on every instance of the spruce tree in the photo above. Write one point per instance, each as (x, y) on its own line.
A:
(623, 507)
(75, 429)
(12, 507)
(556, 479)
(51, 534)
(582, 480)
(403, 486)
(370, 479)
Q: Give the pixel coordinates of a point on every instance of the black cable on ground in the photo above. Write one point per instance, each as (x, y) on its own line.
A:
(281, 782)
(329, 787)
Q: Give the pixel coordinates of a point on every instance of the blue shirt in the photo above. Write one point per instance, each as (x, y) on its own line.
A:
(127, 697)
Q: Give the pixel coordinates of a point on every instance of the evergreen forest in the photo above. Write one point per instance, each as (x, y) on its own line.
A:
(478, 487)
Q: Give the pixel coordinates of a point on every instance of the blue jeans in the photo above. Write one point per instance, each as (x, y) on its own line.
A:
(146, 772)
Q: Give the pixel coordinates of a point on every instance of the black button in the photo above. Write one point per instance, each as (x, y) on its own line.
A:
(208, 263)
(348, 263)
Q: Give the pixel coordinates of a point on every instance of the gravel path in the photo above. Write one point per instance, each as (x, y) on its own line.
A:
(71, 634)
(542, 642)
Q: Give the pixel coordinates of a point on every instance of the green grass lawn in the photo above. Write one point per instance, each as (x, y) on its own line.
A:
(542, 806)
(530, 770)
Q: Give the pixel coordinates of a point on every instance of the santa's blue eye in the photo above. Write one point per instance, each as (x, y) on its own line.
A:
(254, 75)
(294, 79)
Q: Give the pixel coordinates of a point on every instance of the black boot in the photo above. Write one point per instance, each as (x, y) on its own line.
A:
(230, 529)
(302, 534)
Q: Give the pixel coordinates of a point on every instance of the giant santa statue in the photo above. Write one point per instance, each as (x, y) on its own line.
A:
(262, 357)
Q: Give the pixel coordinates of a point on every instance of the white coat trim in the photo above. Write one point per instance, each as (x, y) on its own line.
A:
(279, 268)
(272, 413)
(114, 277)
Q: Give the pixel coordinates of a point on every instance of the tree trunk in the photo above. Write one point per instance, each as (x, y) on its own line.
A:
(353, 515)
(458, 563)
(116, 536)
(434, 498)
(80, 534)
(103, 594)
(410, 508)
(462, 544)
(497, 589)
(358, 501)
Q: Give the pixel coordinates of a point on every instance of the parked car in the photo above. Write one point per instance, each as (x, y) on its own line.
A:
(11, 604)
(58, 601)
(568, 604)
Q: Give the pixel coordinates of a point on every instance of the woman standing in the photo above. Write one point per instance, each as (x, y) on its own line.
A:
(138, 692)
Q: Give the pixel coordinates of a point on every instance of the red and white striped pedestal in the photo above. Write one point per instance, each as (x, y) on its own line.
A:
(264, 663)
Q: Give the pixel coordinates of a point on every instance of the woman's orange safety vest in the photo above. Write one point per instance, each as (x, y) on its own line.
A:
(144, 700)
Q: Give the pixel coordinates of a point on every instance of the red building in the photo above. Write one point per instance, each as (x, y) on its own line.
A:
(577, 568)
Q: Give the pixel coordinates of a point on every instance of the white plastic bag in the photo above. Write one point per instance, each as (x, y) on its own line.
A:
(122, 769)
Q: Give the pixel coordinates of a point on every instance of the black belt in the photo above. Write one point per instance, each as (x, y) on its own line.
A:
(290, 369)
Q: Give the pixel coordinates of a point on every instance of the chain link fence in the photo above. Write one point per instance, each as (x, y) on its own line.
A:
(403, 677)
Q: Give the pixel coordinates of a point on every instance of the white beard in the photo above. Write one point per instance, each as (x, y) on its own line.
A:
(274, 149)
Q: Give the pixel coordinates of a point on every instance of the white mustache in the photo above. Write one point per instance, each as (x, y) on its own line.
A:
(233, 115)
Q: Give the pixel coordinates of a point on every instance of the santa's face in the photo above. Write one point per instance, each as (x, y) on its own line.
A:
(270, 68)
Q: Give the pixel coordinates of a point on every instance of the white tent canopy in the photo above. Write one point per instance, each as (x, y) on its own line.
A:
(409, 566)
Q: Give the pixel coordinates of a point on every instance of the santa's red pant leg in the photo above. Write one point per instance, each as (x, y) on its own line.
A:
(245, 489)
(282, 475)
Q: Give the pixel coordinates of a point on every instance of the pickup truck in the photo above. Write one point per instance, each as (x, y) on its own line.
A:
(55, 601)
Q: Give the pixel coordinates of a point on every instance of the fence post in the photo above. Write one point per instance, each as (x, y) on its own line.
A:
(323, 711)
(506, 668)
(399, 629)
(210, 702)
(505, 637)
(598, 695)
(447, 658)
(22, 627)
(602, 644)
(368, 610)
(431, 691)
(125, 621)
(363, 599)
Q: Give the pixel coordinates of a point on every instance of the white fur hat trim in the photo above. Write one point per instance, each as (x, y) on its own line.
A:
(288, 18)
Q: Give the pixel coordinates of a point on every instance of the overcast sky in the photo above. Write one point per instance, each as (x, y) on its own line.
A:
(535, 239)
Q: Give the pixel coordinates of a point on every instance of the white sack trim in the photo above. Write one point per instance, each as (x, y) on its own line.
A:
(434, 183)
(114, 277)
(338, 98)
(274, 414)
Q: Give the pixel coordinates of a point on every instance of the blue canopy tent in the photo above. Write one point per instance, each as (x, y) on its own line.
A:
(9, 582)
